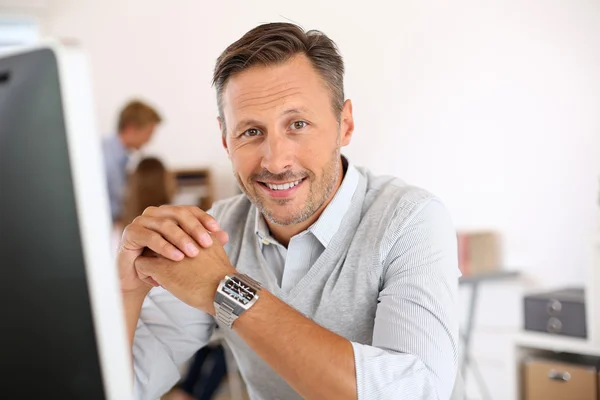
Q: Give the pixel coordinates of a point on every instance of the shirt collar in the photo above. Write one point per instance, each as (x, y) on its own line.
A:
(330, 220)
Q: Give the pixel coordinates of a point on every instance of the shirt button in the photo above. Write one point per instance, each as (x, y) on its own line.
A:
(265, 241)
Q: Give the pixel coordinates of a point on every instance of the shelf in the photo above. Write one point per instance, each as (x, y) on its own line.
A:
(561, 344)
(194, 187)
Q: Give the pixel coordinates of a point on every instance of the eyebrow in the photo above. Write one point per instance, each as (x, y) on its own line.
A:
(247, 122)
(299, 110)
(254, 122)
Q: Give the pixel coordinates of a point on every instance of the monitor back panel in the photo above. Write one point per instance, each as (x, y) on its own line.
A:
(48, 348)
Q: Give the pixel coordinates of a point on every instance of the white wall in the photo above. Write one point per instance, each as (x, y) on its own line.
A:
(495, 106)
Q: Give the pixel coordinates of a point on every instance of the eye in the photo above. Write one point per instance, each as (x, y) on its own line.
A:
(298, 125)
(251, 132)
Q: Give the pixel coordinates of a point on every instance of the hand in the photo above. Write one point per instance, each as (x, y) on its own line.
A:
(193, 280)
(171, 232)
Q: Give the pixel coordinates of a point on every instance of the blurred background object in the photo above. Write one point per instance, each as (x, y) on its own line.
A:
(194, 187)
(479, 252)
(18, 31)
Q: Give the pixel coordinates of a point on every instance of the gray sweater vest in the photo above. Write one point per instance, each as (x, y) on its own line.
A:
(340, 292)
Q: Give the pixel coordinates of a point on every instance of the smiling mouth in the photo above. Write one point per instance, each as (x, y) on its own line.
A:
(282, 186)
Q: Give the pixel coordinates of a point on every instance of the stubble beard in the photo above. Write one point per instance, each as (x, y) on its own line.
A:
(319, 192)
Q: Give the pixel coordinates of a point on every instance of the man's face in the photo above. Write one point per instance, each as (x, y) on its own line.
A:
(284, 139)
(138, 136)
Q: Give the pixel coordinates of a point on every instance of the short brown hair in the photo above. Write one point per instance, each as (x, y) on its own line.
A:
(138, 114)
(275, 43)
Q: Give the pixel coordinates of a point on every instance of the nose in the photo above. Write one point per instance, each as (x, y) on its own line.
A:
(277, 154)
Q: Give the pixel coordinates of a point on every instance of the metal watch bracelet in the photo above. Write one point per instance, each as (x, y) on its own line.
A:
(228, 310)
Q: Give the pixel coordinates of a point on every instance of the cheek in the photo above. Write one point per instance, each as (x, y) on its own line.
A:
(244, 161)
(314, 156)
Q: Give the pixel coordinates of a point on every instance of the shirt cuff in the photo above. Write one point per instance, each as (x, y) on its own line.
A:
(383, 374)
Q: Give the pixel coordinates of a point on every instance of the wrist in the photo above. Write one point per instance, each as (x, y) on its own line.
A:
(235, 295)
(214, 286)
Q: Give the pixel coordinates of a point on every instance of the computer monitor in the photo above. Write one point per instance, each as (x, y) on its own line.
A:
(61, 322)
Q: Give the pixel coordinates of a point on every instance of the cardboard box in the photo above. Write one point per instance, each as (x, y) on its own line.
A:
(555, 380)
(479, 252)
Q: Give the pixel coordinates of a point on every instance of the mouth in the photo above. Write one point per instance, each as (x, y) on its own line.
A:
(281, 189)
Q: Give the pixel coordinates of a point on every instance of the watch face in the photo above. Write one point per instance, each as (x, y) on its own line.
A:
(239, 291)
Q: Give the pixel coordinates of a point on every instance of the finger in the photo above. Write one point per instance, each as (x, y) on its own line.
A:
(193, 221)
(195, 224)
(137, 237)
(170, 231)
(222, 237)
(207, 220)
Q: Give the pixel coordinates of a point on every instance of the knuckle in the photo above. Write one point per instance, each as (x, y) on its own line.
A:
(165, 224)
(199, 228)
(164, 246)
(129, 230)
(181, 238)
(156, 240)
(149, 210)
(181, 211)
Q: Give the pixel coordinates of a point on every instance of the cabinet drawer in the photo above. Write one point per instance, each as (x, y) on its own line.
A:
(552, 380)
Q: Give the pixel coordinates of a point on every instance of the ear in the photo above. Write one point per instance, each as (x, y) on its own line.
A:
(223, 134)
(346, 124)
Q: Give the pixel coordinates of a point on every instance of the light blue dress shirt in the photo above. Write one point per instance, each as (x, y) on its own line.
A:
(116, 157)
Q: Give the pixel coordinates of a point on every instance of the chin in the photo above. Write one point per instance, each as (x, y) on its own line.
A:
(283, 218)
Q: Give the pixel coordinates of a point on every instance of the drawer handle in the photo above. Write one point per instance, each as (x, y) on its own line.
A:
(559, 376)
(554, 325)
(554, 307)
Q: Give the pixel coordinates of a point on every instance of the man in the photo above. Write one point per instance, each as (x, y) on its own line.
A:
(358, 274)
(137, 122)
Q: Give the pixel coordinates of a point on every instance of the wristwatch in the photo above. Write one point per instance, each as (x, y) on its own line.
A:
(235, 295)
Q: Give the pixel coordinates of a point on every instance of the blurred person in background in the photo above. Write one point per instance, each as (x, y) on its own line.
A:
(329, 282)
(150, 184)
(137, 122)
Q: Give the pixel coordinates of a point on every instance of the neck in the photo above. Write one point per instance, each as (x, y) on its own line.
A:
(284, 233)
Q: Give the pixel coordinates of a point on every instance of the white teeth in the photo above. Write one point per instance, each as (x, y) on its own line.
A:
(285, 186)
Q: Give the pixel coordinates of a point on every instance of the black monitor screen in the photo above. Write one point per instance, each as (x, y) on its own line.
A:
(48, 348)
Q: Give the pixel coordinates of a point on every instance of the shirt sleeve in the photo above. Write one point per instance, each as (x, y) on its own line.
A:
(168, 333)
(414, 353)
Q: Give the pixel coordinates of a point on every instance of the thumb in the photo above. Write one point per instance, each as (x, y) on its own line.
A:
(147, 266)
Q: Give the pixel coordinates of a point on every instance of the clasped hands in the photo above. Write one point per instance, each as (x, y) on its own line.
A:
(177, 247)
